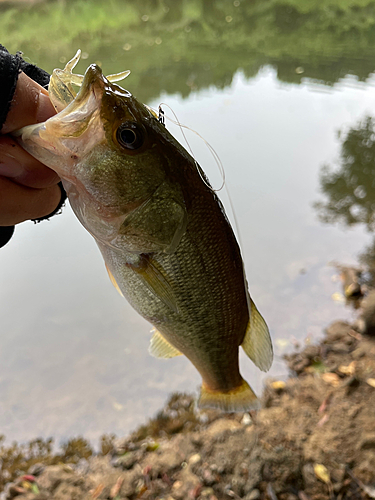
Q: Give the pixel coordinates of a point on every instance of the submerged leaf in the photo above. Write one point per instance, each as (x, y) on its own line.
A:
(338, 297)
(278, 385)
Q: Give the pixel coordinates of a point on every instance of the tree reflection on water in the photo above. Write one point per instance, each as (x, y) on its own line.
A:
(179, 46)
(349, 191)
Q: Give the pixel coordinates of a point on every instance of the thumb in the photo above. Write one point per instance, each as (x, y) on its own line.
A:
(30, 105)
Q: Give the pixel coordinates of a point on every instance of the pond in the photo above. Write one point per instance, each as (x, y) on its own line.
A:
(284, 92)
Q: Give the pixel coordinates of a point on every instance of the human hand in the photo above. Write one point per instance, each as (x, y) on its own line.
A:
(28, 189)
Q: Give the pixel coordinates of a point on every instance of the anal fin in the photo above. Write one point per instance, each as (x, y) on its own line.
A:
(257, 341)
(161, 348)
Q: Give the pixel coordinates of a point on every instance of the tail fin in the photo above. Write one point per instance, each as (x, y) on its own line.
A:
(241, 398)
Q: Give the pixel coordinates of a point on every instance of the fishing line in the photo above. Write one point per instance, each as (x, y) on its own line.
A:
(161, 116)
(210, 148)
(216, 157)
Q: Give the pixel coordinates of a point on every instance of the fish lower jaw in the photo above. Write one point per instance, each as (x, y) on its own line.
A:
(42, 146)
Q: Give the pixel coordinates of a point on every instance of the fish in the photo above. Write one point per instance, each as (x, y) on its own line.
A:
(167, 244)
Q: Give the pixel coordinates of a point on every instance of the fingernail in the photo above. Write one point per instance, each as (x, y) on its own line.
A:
(10, 167)
(45, 108)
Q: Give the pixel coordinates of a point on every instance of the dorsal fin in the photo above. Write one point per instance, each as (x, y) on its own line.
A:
(257, 341)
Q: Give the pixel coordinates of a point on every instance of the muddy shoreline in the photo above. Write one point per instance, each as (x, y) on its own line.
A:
(314, 438)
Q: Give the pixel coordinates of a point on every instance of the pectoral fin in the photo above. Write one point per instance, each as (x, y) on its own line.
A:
(113, 281)
(154, 280)
(161, 348)
(159, 223)
(257, 342)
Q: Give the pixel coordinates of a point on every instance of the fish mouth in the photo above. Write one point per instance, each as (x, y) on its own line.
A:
(65, 138)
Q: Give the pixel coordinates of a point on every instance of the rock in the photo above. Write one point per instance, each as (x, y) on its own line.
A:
(297, 362)
(53, 476)
(66, 491)
(255, 474)
(12, 491)
(337, 487)
(170, 455)
(207, 492)
(253, 495)
(246, 419)
(177, 485)
(351, 282)
(358, 353)
(36, 469)
(127, 460)
(367, 442)
(196, 439)
(368, 314)
(337, 331)
(194, 459)
(169, 460)
(187, 482)
(208, 477)
(311, 351)
(82, 466)
(222, 425)
(359, 325)
(338, 475)
(308, 475)
(340, 348)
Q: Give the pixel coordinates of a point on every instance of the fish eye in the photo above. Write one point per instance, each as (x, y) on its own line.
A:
(130, 135)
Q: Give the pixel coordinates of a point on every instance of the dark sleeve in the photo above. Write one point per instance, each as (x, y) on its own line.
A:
(10, 68)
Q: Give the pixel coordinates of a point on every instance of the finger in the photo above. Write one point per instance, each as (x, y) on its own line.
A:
(18, 165)
(30, 105)
(19, 203)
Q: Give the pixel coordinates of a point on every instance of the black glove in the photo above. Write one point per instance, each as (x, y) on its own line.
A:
(10, 68)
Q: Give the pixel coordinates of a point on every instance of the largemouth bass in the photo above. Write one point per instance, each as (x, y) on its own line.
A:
(163, 233)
